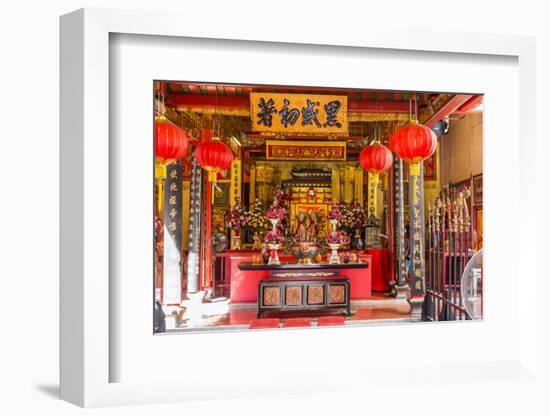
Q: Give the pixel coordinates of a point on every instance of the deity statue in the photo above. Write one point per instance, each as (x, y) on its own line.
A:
(312, 229)
(301, 229)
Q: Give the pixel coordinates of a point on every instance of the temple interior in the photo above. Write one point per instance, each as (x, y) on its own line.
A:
(308, 206)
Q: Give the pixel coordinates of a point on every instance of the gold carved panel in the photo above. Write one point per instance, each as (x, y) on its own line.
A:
(294, 295)
(315, 295)
(272, 296)
(337, 294)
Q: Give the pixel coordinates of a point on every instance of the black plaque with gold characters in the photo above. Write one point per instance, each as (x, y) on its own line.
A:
(399, 222)
(416, 233)
(195, 208)
(172, 233)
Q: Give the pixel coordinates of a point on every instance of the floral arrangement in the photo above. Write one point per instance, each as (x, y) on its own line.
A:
(237, 217)
(277, 211)
(255, 218)
(353, 216)
(274, 237)
(339, 237)
(335, 213)
(359, 214)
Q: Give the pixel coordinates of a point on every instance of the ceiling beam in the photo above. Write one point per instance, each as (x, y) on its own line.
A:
(450, 107)
(469, 105)
(188, 101)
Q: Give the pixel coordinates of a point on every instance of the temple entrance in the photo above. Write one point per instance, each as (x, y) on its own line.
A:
(304, 206)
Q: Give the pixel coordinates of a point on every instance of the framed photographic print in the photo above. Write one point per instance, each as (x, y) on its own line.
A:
(221, 193)
(139, 323)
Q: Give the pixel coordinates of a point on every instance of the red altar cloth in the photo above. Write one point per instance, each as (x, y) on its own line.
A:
(244, 283)
(380, 268)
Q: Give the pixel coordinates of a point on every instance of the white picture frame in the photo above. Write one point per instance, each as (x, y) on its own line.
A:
(87, 302)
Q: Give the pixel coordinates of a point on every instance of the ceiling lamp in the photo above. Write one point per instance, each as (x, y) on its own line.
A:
(441, 127)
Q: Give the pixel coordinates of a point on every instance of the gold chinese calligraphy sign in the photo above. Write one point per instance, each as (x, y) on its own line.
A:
(305, 150)
(299, 113)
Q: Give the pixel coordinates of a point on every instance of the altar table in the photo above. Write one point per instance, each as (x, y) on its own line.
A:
(244, 283)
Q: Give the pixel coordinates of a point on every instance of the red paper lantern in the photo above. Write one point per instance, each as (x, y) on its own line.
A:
(414, 142)
(213, 156)
(376, 158)
(171, 142)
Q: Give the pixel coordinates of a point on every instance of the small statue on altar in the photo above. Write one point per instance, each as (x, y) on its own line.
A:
(256, 241)
(311, 194)
(312, 229)
(301, 229)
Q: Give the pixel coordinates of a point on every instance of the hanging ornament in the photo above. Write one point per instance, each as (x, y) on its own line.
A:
(171, 144)
(414, 143)
(376, 158)
(213, 155)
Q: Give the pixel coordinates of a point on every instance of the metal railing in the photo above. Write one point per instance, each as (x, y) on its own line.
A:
(448, 252)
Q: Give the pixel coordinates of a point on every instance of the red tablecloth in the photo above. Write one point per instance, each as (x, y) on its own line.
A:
(381, 268)
(244, 283)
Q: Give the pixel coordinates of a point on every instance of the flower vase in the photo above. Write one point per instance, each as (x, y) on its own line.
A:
(274, 257)
(274, 222)
(334, 258)
(333, 225)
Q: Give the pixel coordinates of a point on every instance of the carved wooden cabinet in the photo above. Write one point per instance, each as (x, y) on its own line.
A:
(304, 293)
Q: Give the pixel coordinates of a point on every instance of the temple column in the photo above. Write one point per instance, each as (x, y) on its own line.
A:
(192, 310)
(172, 219)
(416, 233)
(172, 235)
(399, 287)
(207, 236)
(196, 186)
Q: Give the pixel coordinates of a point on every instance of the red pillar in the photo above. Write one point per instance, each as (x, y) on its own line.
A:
(207, 277)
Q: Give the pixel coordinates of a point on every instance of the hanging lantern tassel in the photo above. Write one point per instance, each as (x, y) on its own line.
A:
(415, 172)
(374, 191)
(160, 177)
(375, 179)
(212, 177)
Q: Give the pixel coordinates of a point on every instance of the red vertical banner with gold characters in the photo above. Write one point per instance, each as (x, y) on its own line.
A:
(235, 188)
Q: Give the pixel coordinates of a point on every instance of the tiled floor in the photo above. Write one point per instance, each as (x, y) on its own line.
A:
(376, 308)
